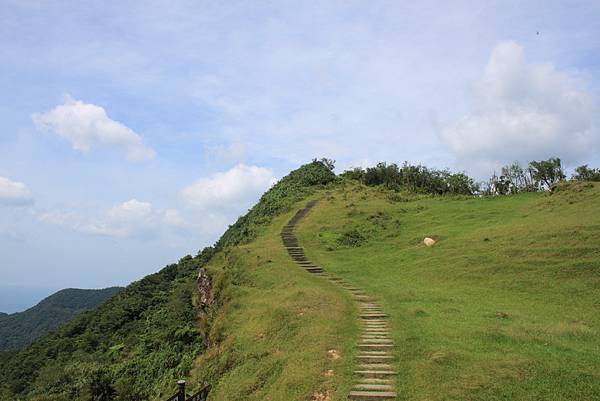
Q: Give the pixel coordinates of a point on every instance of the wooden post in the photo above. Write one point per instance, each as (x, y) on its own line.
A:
(181, 390)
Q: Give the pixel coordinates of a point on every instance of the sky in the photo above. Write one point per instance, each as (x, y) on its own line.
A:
(132, 133)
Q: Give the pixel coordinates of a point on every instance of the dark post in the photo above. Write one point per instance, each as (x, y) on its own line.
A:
(181, 390)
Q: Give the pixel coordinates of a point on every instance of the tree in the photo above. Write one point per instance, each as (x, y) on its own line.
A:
(500, 185)
(584, 173)
(329, 163)
(548, 172)
(519, 179)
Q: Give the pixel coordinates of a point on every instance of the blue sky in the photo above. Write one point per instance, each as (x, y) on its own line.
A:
(132, 133)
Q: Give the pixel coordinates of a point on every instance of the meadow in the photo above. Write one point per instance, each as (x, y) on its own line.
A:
(505, 306)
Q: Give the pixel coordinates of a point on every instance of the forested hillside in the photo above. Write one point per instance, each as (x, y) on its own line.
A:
(141, 340)
(19, 329)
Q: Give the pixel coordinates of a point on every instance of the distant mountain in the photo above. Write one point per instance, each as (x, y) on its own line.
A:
(19, 329)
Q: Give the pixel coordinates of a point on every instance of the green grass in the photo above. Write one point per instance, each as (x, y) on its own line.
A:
(276, 327)
(504, 307)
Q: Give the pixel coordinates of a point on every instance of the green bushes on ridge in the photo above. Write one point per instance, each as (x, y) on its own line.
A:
(414, 178)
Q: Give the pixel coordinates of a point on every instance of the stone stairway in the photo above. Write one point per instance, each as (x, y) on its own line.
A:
(375, 363)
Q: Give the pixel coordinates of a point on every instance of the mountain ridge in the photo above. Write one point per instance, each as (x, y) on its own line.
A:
(20, 328)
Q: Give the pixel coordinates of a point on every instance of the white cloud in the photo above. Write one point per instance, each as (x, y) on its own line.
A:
(233, 190)
(14, 193)
(523, 111)
(86, 125)
(172, 217)
(234, 151)
(130, 219)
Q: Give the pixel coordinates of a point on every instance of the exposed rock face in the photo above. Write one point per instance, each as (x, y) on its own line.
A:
(205, 288)
(429, 241)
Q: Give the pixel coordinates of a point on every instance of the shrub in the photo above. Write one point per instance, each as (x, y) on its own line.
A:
(351, 238)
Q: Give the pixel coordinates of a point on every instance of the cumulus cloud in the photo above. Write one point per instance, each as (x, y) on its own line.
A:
(523, 111)
(14, 193)
(130, 219)
(233, 190)
(86, 125)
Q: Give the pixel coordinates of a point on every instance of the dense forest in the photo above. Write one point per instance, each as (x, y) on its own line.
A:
(19, 329)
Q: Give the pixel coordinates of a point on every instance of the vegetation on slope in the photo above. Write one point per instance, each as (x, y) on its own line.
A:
(19, 329)
(503, 307)
(140, 341)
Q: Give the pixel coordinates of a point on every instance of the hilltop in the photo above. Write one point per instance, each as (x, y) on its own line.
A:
(503, 306)
(19, 329)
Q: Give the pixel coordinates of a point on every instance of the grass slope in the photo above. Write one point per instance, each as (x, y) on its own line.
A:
(19, 329)
(504, 307)
(276, 328)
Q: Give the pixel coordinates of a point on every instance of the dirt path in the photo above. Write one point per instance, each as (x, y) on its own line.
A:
(375, 367)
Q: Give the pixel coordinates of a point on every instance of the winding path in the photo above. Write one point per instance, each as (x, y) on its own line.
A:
(374, 374)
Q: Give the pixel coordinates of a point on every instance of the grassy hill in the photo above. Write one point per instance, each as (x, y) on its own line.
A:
(19, 329)
(504, 306)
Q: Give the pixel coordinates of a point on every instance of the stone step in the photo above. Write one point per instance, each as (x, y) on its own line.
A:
(363, 298)
(375, 366)
(374, 358)
(372, 346)
(376, 387)
(376, 341)
(373, 380)
(372, 315)
(374, 353)
(371, 395)
(375, 374)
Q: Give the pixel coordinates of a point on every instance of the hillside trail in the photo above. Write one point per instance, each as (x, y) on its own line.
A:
(375, 368)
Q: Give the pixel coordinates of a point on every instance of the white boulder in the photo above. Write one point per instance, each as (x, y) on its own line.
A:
(429, 241)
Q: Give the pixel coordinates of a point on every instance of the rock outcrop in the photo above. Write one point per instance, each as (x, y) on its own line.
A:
(205, 289)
